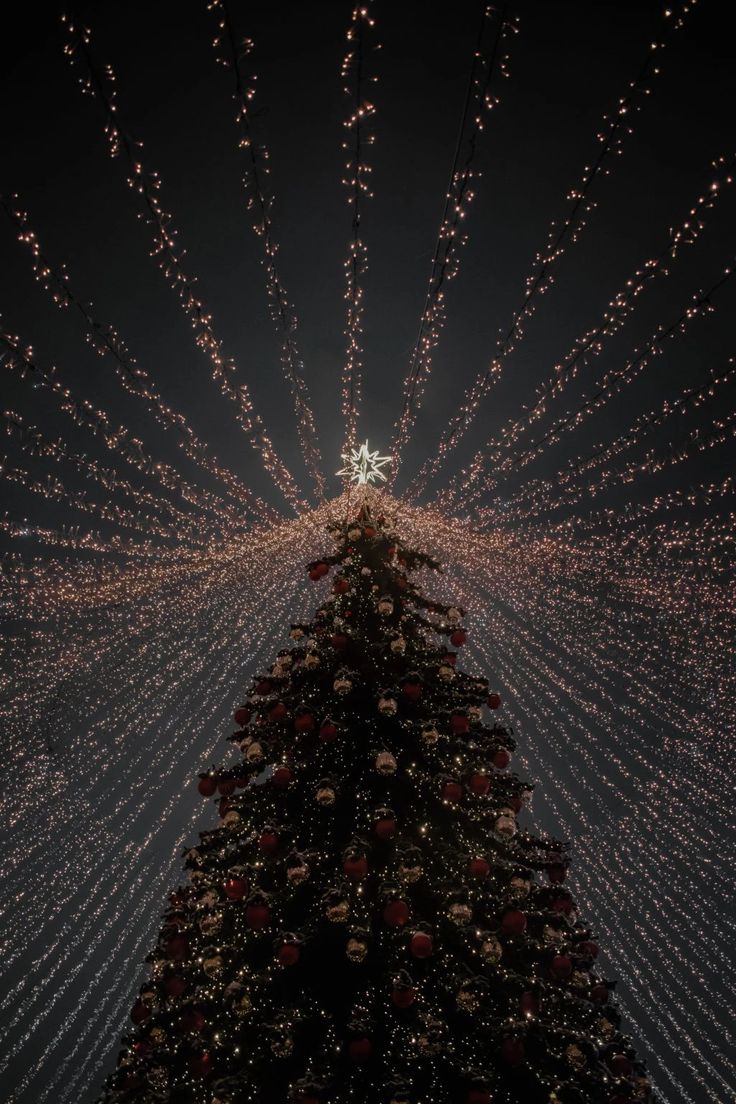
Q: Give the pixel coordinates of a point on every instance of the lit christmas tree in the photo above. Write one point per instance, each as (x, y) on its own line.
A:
(368, 921)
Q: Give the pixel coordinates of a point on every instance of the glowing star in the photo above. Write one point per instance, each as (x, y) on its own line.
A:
(362, 466)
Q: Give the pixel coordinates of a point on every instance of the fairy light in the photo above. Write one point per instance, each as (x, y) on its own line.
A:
(32, 440)
(170, 258)
(613, 382)
(479, 98)
(104, 338)
(260, 204)
(616, 126)
(563, 691)
(609, 632)
(592, 343)
(356, 85)
(539, 493)
(118, 439)
(652, 462)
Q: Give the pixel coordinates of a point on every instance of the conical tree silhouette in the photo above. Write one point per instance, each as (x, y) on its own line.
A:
(368, 922)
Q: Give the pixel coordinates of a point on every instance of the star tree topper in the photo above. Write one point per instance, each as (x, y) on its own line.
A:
(363, 466)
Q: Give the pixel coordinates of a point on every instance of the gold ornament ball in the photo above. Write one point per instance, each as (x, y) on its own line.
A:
(491, 950)
(356, 950)
(212, 967)
(385, 763)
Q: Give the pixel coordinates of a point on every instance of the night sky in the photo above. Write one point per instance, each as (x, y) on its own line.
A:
(569, 64)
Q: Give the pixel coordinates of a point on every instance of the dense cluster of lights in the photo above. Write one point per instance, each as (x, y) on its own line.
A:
(232, 56)
(106, 341)
(590, 344)
(587, 634)
(613, 131)
(610, 631)
(611, 384)
(489, 61)
(356, 86)
(146, 185)
(117, 439)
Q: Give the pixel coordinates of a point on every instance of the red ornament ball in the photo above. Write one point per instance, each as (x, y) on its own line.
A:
(139, 1012)
(412, 691)
(226, 786)
(493, 700)
(599, 993)
(589, 948)
(385, 828)
(282, 777)
(242, 716)
(257, 916)
(501, 758)
(200, 1066)
(561, 967)
(355, 868)
(369, 532)
(174, 985)
(328, 732)
(396, 913)
(421, 945)
(289, 954)
(268, 842)
(176, 948)
(132, 1081)
(360, 1049)
(207, 785)
(619, 1065)
(192, 1020)
(264, 686)
(479, 868)
(304, 722)
(479, 784)
(529, 1004)
(235, 888)
(342, 586)
(403, 998)
(277, 712)
(458, 638)
(513, 922)
(459, 724)
(512, 1051)
(452, 791)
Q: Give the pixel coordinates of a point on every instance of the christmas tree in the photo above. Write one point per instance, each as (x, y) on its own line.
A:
(368, 921)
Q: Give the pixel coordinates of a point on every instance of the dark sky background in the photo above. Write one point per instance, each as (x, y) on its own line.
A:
(569, 64)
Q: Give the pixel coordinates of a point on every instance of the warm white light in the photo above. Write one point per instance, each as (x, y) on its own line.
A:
(363, 466)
